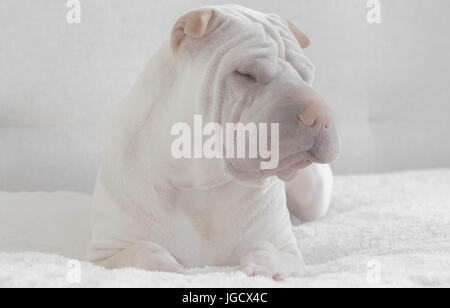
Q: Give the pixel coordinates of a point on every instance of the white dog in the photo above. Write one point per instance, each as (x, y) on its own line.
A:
(152, 211)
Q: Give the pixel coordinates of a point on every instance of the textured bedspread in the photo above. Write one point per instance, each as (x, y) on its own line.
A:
(382, 230)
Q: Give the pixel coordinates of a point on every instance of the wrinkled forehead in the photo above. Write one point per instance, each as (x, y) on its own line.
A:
(238, 37)
(258, 28)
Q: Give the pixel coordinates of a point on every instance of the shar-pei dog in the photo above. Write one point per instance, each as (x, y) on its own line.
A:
(158, 212)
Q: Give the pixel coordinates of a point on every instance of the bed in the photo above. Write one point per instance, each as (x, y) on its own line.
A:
(390, 230)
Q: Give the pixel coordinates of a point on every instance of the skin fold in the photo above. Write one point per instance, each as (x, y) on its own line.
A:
(152, 211)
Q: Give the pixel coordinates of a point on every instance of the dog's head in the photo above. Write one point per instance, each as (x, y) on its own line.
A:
(254, 70)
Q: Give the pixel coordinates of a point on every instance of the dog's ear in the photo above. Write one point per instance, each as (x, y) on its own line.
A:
(193, 24)
(301, 37)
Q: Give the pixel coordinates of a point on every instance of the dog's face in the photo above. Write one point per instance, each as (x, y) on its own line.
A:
(255, 71)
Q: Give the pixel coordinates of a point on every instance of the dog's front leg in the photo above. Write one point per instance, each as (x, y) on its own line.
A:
(144, 255)
(309, 193)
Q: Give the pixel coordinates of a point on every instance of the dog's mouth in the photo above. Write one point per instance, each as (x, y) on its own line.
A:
(288, 167)
(286, 170)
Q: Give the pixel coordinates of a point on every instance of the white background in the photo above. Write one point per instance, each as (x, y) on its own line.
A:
(389, 84)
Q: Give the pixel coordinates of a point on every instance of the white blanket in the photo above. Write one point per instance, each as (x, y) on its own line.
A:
(382, 230)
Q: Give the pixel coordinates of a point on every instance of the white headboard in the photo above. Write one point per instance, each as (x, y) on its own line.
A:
(388, 82)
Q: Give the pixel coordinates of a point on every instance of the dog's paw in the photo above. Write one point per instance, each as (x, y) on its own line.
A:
(153, 257)
(265, 260)
(147, 256)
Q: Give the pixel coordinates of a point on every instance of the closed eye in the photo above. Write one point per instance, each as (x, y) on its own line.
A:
(246, 76)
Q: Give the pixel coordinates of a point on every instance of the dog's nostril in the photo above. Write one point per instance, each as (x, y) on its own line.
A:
(318, 116)
(307, 120)
(328, 121)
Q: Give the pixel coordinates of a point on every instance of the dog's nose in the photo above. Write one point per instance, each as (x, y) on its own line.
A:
(317, 116)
